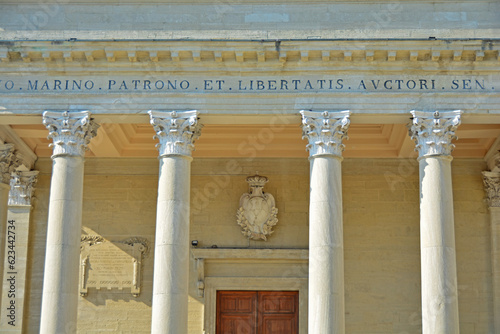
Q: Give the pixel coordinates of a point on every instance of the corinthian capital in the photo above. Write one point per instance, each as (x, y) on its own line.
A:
(70, 132)
(491, 183)
(176, 131)
(325, 131)
(434, 131)
(22, 187)
(7, 162)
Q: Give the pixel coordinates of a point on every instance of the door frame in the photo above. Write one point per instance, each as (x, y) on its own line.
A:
(213, 284)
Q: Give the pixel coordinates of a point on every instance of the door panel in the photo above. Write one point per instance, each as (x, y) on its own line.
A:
(237, 324)
(278, 302)
(257, 312)
(278, 324)
(236, 312)
(237, 302)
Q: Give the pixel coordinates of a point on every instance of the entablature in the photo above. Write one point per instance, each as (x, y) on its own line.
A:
(175, 53)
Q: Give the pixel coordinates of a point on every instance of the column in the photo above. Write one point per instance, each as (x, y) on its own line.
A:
(71, 133)
(176, 132)
(325, 131)
(433, 133)
(12, 303)
(7, 166)
(492, 186)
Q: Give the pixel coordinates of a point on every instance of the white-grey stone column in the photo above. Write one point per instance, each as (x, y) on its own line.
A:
(18, 220)
(325, 131)
(176, 132)
(492, 187)
(7, 166)
(71, 133)
(433, 133)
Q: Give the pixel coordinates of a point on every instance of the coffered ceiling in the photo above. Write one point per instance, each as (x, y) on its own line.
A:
(248, 141)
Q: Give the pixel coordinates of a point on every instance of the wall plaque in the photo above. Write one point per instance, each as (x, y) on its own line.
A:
(110, 265)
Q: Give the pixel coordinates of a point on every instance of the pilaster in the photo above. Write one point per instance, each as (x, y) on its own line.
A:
(8, 163)
(18, 221)
(491, 182)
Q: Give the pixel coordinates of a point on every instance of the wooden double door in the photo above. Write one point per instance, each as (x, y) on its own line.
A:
(257, 312)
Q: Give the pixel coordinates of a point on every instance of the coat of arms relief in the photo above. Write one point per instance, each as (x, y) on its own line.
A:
(257, 214)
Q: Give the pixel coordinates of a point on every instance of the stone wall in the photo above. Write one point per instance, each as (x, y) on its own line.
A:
(381, 237)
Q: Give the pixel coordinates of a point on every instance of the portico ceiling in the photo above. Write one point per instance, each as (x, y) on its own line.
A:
(259, 140)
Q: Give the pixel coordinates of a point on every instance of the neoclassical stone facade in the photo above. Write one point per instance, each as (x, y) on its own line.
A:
(129, 133)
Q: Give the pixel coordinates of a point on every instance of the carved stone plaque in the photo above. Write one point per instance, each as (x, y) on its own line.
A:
(111, 265)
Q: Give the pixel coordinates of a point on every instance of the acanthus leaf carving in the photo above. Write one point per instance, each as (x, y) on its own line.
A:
(325, 131)
(491, 183)
(257, 214)
(8, 162)
(176, 131)
(22, 187)
(434, 131)
(70, 132)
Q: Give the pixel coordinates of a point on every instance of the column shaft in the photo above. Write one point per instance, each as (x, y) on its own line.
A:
(325, 131)
(60, 284)
(71, 133)
(176, 132)
(171, 263)
(437, 247)
(326, 252)
(4, 200)
(495, 264)
(433, 133)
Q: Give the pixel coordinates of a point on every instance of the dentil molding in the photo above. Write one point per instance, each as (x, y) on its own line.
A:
(71, 131)
(434, 131)
(176, 131)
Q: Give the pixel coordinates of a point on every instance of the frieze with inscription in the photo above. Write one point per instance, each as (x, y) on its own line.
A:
(111, 264)
(246, 85)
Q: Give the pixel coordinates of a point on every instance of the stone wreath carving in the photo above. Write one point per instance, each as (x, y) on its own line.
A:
(257, 214)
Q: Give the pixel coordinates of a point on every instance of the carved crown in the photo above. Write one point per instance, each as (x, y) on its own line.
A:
(257, 180)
